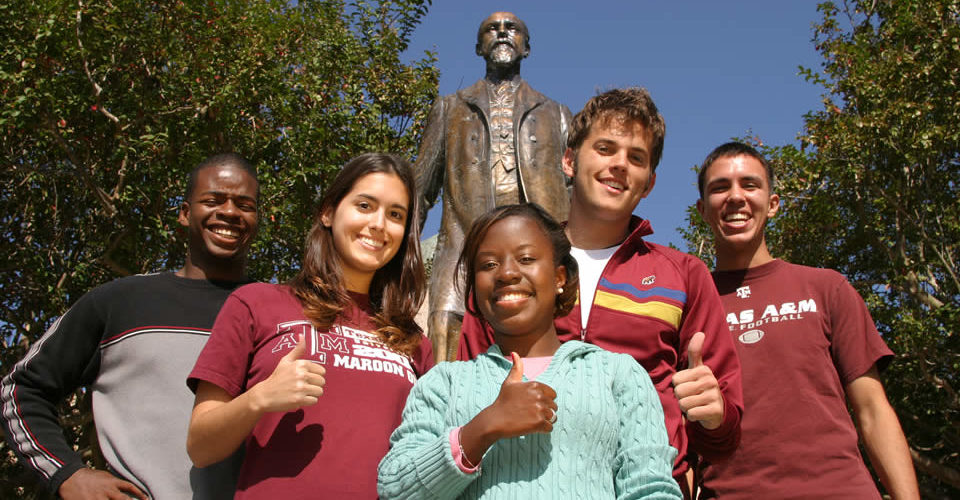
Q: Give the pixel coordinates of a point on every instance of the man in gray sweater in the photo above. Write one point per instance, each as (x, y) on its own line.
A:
(132, 342)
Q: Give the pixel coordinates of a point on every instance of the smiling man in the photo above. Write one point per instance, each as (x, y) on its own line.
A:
(494, 143)
(637, 297)
(132, 342)
(808, 347)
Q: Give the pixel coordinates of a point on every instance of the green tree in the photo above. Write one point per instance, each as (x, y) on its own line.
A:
(105, 107)
(872, 192)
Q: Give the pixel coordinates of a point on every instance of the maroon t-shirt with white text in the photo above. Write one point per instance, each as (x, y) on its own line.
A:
(330, 449)
(802, 334)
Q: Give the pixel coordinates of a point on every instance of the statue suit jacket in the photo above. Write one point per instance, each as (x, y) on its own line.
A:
(454, 155)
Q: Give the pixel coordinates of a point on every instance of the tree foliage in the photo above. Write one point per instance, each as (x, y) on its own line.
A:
(872, 192)
(106, 106)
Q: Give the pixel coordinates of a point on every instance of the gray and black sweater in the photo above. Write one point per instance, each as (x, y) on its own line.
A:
(131, 342)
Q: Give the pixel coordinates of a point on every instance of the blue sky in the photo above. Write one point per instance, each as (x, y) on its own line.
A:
(716, 69)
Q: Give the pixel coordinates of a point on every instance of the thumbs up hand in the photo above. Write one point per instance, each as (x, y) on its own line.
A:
(697, 389)
(523, 407)
(294, 383)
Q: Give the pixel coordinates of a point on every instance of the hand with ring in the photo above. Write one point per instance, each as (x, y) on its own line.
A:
(521, 408)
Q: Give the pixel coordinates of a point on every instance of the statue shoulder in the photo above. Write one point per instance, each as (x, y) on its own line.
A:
(472, 93)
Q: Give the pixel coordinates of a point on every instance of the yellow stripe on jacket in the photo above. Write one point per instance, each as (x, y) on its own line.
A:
(654, 309)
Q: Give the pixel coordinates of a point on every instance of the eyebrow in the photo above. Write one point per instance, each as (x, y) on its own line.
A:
(525, 246)
(374, 198)
(754, 178)
(228, 195)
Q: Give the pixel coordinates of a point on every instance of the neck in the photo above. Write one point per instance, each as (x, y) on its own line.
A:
(527, 347)
(497, 73)
(216, 271)
(586, 233)
(731, 258)
(357, 284)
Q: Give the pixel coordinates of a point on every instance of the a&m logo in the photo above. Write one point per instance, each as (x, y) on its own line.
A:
(649, 280)
(743, 292)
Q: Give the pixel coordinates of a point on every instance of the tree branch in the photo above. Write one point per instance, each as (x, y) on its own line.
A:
(78, 166)
(931, 467)
(86, 69)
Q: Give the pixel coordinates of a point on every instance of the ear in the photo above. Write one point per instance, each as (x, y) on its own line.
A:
(569, 163)
(561, 275)
(700, 209)
(326, 218)
(184, 216)
(477, 50)
(774, 205)
(653, 181)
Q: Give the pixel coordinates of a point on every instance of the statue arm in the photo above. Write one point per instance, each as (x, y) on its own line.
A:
(429, 167)
(565, 120)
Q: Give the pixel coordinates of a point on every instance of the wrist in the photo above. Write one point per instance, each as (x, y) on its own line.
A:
(477, 436)
(712, 424)
(254, 401)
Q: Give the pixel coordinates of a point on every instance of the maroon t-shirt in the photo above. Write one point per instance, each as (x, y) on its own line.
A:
(328, 450)
(802, 335)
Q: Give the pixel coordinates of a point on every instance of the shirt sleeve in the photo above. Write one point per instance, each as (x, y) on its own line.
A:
(423, 360)
(705, 314)
(224, 360)
(65, 358)
(420, 462)
(475, 337)
(855, 344)
(644, 462)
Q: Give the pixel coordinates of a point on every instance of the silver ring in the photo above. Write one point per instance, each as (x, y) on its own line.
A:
(553, 419)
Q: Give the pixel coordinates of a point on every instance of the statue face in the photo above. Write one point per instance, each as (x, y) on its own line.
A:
(502, 39)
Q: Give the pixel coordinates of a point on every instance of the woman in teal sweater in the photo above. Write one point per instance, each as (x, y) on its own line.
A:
(551, 421)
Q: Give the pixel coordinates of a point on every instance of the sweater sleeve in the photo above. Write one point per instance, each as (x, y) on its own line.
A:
(65, 358)
(644, 461)
(420, 463)
(706, 314)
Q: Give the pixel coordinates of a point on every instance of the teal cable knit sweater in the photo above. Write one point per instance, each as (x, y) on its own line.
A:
(609, 440)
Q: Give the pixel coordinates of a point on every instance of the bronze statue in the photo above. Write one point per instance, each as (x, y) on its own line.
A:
(494, 143)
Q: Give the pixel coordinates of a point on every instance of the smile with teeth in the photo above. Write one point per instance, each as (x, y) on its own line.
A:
(226, 232)
(737, 217)
(512, 296)
(371, 242)
(614, 184)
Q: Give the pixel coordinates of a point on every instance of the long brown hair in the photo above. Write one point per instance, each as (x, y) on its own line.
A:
(397, 288)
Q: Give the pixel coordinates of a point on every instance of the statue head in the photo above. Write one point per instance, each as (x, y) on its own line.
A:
(503, 39)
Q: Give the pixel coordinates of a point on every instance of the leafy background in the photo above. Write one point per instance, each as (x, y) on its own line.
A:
(105, 106)
(872, 190)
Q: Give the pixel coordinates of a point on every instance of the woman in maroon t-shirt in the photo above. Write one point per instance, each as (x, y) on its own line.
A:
(313, 374)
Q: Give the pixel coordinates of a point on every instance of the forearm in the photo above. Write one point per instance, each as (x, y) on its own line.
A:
(31, 393)
(219, 425)
(32, 428)
(889, 453)
(420, 461)
(882, 436)
(644, 461)
(420, 465)
(478, 435)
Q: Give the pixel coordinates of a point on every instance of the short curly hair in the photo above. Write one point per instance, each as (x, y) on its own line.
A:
(632, 105)
(466, 274)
